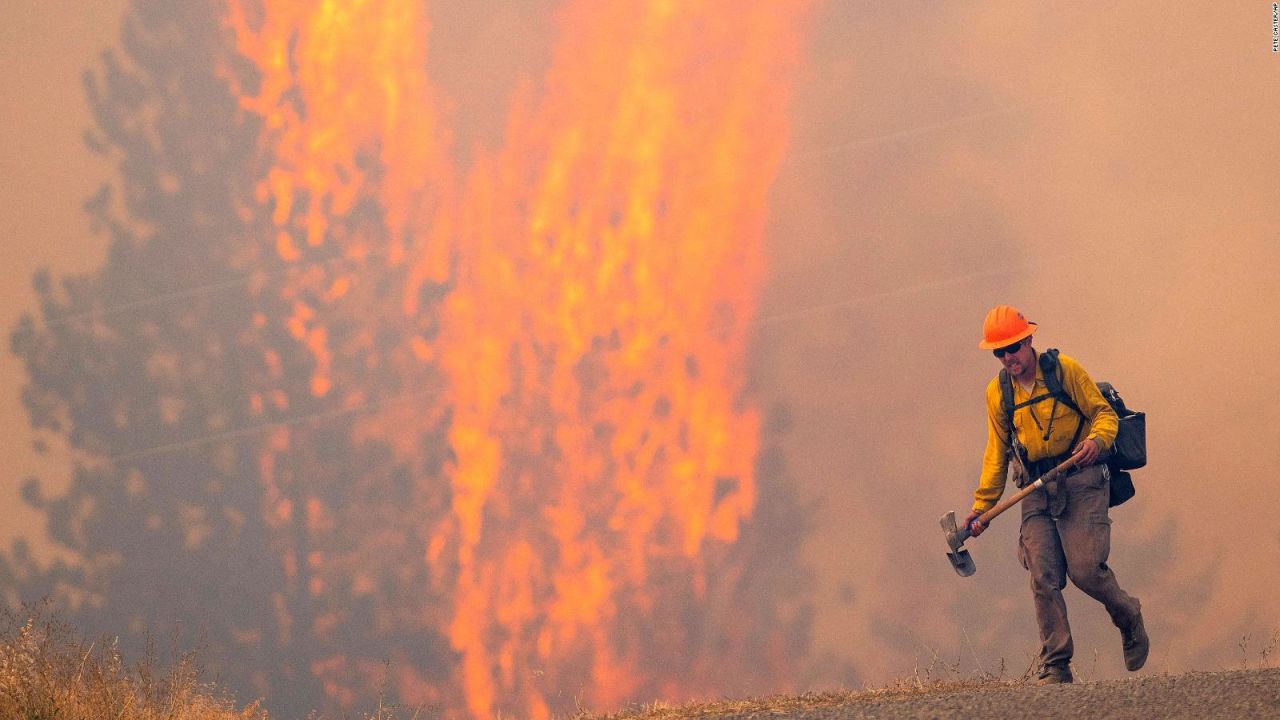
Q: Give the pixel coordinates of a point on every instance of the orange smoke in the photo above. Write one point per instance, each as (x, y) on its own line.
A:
(603, 268)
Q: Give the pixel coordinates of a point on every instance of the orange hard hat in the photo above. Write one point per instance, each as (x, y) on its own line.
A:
(1004, 326)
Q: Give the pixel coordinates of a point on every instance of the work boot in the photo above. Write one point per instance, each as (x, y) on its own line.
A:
(1055, 674)
(1136, 644)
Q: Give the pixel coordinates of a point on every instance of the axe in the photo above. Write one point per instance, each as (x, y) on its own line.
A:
(960, 558)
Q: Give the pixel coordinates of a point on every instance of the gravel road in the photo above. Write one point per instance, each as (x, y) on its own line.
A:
(1217, 695)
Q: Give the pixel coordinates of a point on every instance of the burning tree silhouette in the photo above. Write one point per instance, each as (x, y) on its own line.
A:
(331, 407)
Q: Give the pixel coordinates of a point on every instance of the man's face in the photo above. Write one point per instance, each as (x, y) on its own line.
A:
(1017, 357)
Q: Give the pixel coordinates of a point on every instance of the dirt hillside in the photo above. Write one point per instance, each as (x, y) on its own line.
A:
(1230, 695)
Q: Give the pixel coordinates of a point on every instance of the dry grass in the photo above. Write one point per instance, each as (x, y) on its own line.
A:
(48, 674)
(782, 705)
(936, 678)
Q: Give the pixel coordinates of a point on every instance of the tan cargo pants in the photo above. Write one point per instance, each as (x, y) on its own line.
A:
(1066, 533)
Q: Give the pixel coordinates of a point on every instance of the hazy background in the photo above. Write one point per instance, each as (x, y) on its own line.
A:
(47, 174)
(1109, 168)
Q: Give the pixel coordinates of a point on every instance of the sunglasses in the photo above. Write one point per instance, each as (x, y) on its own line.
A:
(1008, 349)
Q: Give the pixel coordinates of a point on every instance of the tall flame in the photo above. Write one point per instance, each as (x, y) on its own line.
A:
(603, 268)
(597, 335)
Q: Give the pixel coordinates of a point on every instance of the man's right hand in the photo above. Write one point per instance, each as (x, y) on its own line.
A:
(975, 526)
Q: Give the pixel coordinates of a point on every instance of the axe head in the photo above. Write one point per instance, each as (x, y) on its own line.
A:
(960, 558)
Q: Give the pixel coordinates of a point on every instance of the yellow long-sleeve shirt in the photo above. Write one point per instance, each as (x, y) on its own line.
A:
(1031, 422)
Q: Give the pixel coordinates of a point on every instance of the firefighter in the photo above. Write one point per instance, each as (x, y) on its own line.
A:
(1066, 531)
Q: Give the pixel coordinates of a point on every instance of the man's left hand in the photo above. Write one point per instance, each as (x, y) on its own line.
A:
(1089, 451)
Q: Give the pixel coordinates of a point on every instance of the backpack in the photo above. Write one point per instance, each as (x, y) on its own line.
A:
(1128, 452)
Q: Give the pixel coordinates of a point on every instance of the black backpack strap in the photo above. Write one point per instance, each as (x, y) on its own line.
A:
(1052, 371)
(1006, 400)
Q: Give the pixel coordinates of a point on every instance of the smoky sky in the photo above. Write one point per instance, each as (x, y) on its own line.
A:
(1105, 171)
(1110, 170)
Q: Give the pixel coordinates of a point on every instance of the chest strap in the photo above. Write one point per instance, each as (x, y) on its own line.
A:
(1051, 369)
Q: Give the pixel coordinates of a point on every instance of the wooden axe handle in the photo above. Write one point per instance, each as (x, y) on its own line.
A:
(986, 517)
